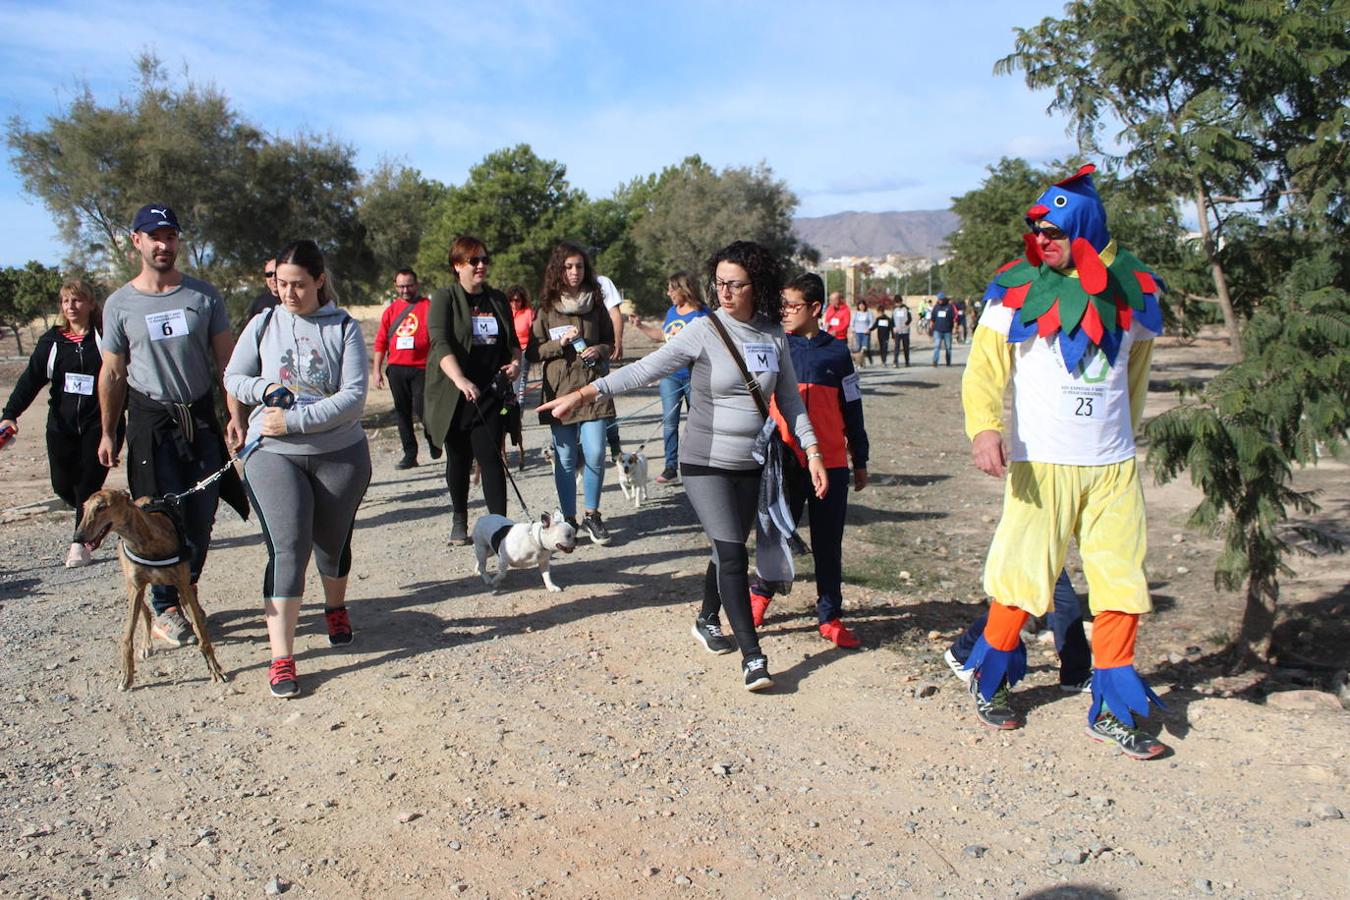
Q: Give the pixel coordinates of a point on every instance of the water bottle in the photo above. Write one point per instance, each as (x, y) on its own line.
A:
(6, 435)
(579, 344)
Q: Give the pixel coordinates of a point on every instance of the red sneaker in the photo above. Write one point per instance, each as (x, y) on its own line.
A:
(281, 676)
(339, 626)
(759, 605)
(837, 633)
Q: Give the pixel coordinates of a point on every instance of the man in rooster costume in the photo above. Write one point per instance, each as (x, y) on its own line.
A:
(1072, 327)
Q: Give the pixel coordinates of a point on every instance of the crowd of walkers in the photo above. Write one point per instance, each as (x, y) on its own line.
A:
(768, 377)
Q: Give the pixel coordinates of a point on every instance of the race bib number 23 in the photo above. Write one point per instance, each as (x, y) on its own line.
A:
(1078, 403)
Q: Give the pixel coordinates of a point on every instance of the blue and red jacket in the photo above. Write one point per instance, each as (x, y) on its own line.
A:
(829, 389)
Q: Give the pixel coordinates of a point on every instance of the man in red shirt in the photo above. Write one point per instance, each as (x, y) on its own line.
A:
(836, 318)
(403, 338)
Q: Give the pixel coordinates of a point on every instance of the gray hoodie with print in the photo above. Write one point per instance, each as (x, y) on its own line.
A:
(321, 358)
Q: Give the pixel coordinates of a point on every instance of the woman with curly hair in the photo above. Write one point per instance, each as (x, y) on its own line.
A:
(717, 465)
(573, 335)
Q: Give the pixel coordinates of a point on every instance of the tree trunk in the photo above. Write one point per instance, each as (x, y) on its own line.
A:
(18, 339)
(1258, 624)
(1216, 269)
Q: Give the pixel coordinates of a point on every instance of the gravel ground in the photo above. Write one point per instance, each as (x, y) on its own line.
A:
(581, 744)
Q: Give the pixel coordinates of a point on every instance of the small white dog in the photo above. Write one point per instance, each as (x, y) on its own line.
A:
(521, 545)
(633, 477)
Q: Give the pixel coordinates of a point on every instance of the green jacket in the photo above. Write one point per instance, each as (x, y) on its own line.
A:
(449, 326)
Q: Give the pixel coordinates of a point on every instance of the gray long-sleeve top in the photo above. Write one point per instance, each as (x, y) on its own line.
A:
(723, 418)
(321, 358)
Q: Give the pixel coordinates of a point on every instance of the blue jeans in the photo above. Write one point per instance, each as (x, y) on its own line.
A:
(674, 391)
(1066, 619)
(942, 339)
(581, 439)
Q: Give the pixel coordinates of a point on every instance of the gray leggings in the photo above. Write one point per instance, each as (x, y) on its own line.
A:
(726, 503)
(306, 503)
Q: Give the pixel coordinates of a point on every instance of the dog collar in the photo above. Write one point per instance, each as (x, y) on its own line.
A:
(154, 563)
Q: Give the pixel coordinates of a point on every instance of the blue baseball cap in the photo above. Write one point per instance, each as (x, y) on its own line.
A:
(152, 216)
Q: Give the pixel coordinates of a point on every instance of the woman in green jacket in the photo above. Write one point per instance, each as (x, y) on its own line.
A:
(473, 360)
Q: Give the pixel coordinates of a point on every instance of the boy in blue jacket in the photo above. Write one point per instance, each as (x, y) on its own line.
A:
(829, 389)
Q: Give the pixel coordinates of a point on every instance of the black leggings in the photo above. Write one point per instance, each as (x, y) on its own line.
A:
(473, 438)
(726, 503)
(73, 462)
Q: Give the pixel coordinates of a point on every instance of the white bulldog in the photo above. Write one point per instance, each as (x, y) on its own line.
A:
(633, 477)
(521, 545)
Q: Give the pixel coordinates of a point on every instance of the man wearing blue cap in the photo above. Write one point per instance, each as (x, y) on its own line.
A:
(1071, 327)
(166, 340)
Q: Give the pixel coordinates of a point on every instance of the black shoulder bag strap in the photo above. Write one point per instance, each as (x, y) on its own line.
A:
(751, 384)
(407, 311)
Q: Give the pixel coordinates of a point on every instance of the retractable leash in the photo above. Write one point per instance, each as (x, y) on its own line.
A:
(218, 474)
(671, 413)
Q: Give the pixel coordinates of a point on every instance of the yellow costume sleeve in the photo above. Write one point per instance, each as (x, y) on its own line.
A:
(1141, 359)
(986, 378)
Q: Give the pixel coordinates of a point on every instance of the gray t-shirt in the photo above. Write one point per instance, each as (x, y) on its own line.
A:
(166, 338)
(723, 419)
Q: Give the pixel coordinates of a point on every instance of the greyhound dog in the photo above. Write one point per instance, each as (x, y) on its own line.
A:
(150, 553)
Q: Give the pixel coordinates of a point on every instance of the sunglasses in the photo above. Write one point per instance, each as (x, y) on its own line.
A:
(479, 260)
(269, 273)
(1049, 232)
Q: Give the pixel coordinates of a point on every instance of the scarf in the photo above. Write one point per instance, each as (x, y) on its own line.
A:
(574, 304)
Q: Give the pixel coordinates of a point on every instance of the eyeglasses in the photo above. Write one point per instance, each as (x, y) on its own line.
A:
(794, 307)
(477, 261)
(1049, 232)
(734, 287)
(269, 273)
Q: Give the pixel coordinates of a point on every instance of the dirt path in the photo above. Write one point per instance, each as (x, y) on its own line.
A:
(581, 745)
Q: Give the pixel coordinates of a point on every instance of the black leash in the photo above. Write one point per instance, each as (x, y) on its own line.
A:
(501, 457)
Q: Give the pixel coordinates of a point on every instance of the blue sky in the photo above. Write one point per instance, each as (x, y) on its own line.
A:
(857, 106)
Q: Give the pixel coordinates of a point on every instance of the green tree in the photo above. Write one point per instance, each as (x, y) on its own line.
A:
(395, 207)
(1283, 405)
(26, 294)
(238, 194)
(516, 203)
(1222, 103)
(684, 214)
(992, 224)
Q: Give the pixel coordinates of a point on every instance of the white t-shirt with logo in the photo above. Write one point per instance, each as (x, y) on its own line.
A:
(1078, 418)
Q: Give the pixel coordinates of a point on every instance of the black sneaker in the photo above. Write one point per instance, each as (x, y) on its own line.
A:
(594, 528)
(572, 520)
(1077, 687)
(797, 545)
(433, 450)
(1132, 742)
(407, 462)
(459, 533)
(667, 476)
(756, 669)
(709, 633)
(995, 713)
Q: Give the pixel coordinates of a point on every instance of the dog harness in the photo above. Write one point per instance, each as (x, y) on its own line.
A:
(169, 509)
(499, 535)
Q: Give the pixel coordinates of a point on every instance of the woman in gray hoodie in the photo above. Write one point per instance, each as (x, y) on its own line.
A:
(302, 365)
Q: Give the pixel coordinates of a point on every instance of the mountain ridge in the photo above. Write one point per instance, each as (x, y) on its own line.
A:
(917, 232)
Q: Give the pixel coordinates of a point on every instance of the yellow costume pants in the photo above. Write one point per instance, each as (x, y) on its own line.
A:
(1045, 504)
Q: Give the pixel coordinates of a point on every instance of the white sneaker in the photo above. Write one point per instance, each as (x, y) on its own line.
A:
(958, 668)
(79, 555)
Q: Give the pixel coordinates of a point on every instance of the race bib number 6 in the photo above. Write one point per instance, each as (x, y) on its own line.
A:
(168, 324)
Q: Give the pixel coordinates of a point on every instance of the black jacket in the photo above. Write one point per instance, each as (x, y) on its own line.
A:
(53, 359)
